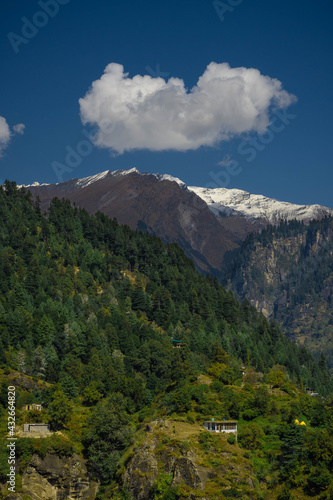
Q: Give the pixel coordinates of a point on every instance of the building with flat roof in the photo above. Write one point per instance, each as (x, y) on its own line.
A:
(32, 406)
(36, 427)
(223, 426)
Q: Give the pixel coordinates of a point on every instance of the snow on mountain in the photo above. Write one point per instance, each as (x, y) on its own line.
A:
(34, 184)
(224, 202)
(231, 202)
(167, 177)
(94, 178)
(82, 183)
(86, 181)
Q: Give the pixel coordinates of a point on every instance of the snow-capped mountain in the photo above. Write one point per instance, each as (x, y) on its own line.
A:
(86, 181)
(223, 202)
(231, 202)
(159, 204)
(209, 224)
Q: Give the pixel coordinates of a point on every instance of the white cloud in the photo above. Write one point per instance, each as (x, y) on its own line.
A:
(6, 134)
(19, 128)
(155, 114)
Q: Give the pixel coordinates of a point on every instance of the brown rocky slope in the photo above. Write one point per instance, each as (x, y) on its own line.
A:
(160, 207)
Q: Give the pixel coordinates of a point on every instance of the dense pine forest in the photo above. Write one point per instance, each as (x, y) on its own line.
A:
(91, 312)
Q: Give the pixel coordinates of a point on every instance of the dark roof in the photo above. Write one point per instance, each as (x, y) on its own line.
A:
(221, 422)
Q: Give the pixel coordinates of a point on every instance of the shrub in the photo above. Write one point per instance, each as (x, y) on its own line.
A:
(285, 494)
(233, 493)
(26, 447)
(319, 479)
(59, 410)
(186, 445)
(250, 435)
(231, 438)
(162, 489)
(249, 414)
(206, 439)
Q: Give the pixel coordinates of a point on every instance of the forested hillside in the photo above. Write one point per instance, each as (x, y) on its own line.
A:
(287, 273)
(91, 311)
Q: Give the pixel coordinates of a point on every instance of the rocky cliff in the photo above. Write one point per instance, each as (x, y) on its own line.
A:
(56, 478)
(171, 460)
(287, 273)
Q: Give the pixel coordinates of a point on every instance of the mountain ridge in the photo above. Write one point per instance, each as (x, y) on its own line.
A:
(160, 207)
(209, 232)
(230, 202)
(222, 201)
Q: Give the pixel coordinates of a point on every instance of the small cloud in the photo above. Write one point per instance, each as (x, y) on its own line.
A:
(151, 112)
(6, 134)
(19, 128)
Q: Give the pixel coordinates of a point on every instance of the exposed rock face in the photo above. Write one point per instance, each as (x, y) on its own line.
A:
(141, 474)
(55, 478)
(186, 470)
(143, 470)
(287, 274)
(160, 456)
(26, 382)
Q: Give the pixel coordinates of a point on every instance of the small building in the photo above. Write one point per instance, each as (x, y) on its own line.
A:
(176, 344)
(32, 407)
(224, 426)
(36, 428)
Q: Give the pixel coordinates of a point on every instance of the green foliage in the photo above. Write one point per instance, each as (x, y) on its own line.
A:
(292, 452)
(90, 394)
(231, 438)
(319, 479)
(206, 440)
(69, 387)
(232, 493)
(276, 378)
(109, 434)
(58, 445)
(249, 436)
(4, 467)
(59, 410)
(186, 445)
(285, 494)
(162, 489)
(92, 307)
(75, 289)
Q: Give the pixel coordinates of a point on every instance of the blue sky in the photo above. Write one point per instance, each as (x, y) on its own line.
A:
(44, 76)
